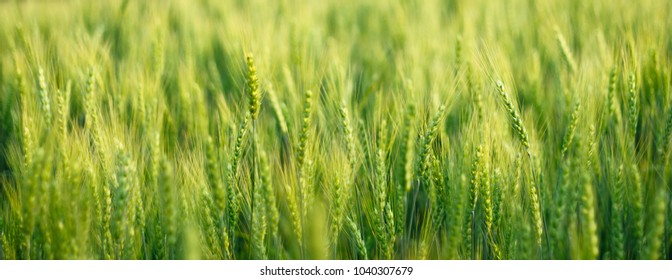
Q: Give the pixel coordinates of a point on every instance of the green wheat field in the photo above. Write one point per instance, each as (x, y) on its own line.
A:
(342, 129)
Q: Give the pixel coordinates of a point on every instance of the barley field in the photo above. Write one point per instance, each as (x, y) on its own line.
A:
(342, 129)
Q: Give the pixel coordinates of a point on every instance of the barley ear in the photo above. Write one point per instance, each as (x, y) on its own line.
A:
(632, 107)
(566, 52)
(516, 121)
(252, 87)
(569, 133)
(305, 129)
(44, 96)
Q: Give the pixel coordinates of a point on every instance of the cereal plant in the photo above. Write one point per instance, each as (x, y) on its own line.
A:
(347, 129)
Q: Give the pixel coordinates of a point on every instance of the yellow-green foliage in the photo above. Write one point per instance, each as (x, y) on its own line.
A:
(375, 129)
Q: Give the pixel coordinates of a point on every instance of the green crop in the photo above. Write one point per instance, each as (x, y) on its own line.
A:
(346, 129)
